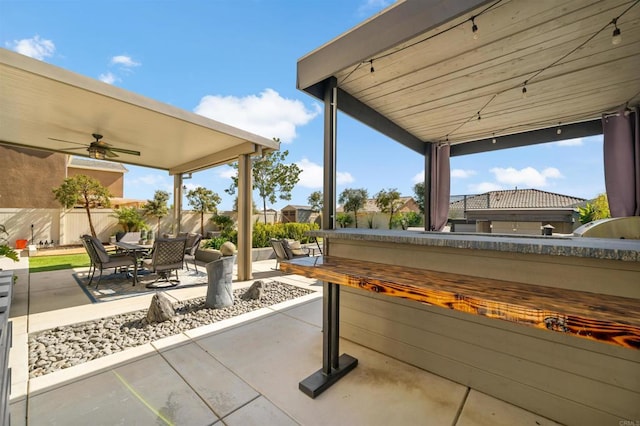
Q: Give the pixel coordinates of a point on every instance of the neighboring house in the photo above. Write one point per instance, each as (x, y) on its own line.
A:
(517, 211)
(301, 214)
(109, 174)
(29, 175)
(408, 205)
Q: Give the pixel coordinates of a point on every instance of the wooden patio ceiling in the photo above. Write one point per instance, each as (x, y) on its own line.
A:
(416, 73)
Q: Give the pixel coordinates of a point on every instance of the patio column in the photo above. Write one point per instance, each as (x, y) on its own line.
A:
(177, 202)
(244, 217)
(334, 366)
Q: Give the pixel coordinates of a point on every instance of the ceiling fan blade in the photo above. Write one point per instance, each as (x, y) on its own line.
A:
(62, 140)
(125, 151)
(109, 153)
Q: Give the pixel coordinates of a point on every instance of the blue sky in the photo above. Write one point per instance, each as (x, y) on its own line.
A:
(235, 61)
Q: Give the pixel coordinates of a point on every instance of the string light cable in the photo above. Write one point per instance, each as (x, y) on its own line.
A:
(459, 24)
(613, 22)
(474, 29)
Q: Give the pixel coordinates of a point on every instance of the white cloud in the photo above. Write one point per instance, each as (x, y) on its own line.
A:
(570, 142)
(479, 188)
(150, 179)
(108, 78)
(268, 114)
(343, 178)
(125, 61)
(462, 174)
(312, 175)
(527, 177)
(226, 172)
(455, 173)
(190, 187)
(35, 47)
(373, 6)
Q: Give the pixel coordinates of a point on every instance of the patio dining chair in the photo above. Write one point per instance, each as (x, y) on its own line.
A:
(193, 242)
(101, 259)
(284, 252)
(167, 256)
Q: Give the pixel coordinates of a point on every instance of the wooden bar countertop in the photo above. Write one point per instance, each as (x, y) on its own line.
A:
(611, 319)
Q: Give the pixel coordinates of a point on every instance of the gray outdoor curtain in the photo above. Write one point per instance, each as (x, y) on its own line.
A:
(440, 186)
(622, 162)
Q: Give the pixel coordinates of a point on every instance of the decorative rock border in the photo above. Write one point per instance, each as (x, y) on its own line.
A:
(66, 346)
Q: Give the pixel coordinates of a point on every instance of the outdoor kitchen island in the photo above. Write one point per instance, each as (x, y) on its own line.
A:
(542, 362)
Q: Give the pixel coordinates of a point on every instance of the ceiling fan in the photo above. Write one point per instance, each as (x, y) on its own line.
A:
(99, 149)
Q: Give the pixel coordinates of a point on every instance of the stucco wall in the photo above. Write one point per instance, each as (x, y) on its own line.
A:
(27, 177)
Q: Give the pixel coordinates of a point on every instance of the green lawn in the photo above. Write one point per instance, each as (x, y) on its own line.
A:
(55, 263)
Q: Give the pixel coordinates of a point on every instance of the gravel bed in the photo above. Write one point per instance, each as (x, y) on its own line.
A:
(66, 346)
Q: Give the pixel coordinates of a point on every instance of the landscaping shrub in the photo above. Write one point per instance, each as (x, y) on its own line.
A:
(263, 233)
(225, 225)
(214, 243)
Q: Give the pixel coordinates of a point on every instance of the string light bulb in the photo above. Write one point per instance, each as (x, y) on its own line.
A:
(474, 28)
(479, 117)
(494, 138)
(617, 34)
(559, 130)
(371, 62)
(524, 90)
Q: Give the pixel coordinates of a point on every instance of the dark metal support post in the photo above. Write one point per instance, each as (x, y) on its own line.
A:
(333, 365)
(427, 186)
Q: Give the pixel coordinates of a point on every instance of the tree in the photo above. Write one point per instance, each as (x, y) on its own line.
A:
(344, 219)
(597, 209)
(353, 200)
(85, 191)
(254, 207)
(158, 206)
(389, 202)
(130, 219)
(203, 200)
(271, 177)
(315, 201)
(418, 190)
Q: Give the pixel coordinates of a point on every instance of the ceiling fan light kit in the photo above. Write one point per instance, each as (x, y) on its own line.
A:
(96, 152)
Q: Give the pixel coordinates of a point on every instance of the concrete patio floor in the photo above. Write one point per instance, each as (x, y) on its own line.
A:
(241, 371)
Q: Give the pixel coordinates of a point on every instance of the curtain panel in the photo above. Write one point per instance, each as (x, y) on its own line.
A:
(622, 162)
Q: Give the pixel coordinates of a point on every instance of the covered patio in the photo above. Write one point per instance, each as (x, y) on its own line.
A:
(52, 109)
(241, 371)
(448, 78)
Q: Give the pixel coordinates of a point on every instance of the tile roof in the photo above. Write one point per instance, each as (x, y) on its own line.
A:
(296, 207)
(515, 199)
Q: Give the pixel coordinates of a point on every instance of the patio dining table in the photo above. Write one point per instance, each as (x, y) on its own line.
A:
(139, 251)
